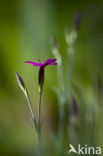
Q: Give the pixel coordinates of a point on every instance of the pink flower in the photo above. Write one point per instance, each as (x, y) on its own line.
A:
(42, 65)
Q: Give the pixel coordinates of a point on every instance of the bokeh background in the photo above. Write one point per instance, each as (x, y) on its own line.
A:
(25, 30)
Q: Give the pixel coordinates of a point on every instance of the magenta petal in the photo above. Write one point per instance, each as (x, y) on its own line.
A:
(33, 63)
(55, 63)
(49, 61)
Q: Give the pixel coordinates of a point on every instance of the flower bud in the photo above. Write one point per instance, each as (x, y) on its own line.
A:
(20, 82)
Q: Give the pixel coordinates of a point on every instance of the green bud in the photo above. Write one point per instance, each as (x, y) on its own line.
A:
(55, 50)
(20, 82)
(70, 37)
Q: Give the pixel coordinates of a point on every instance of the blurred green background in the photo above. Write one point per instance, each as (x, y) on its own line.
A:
(25, 29)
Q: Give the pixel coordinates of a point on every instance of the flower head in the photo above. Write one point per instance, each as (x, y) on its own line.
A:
(42, 65)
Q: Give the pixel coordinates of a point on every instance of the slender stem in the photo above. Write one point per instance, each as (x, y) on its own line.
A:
(61, 128)
(61, 108)
(39, 122)
(39, 112)
(61, 124)
(64, 90)
(31, 109)
(70, 67)
(60, 78)
(39, 146)
(38, 129)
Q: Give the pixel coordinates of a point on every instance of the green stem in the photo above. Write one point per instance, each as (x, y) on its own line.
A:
(39, 146)
(31, 109)
(39, 122)
(39, 112)
(61, 109)
(61, 127)
(60, 78)
(70, 67)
